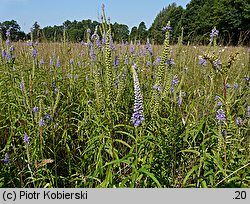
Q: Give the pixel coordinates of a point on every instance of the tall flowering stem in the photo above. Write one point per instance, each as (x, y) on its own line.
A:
(109, 78)
(221, 68)
(104, 21)
(98, 88)
(160, 76)
(213, 35)
(164, 56)
(137, 117)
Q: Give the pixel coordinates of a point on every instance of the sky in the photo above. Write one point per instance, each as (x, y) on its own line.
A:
(55, 12)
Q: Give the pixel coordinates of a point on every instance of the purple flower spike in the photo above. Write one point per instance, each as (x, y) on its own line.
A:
(116, 61)
(170, 62)
(221, 117)
(236, 85)
(12, 49)
(41, 123)
(157, 87)
(175, 81)
(6, 159)
(58, 63)
(167, 27)
(7, 42)
(202, 62)
(214, 33)
(248, 111)
(216, 98)
(50, 61)
(137, 117)
(132, 49)
(34, 53)
(219, 103)
(8, 33)
(36, 109)
(21, 86)
(48, 117)
(41, 61)
(239, 121)
(26, 138)
(4, 54)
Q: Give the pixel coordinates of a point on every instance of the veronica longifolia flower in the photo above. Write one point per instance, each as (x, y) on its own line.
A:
(158, 60)
(236, 85)
(132, 49)
(7, 42)
(34, 53)
(42, 123)
(41, 61)
(175, 81)
(157, 87)
(58, 62)
(12, 49)
(167, 27)
(170, 62)
(116, 61)
(92, 53)
(6, 159)
(126, 61)
(26, 138)
(221, 117)
(148, 63)
(214, 33)
(21, 86)
(219, 103)
(202, 62)
(217, 63)
(36, 109)
(137, 117)
(248, 111)
(239, 121)
(48, 117)
(148, 47)
(216, 98)
(8, 33)
(50, 61)
(4, 54)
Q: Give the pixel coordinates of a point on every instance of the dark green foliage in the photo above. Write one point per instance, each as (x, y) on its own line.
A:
(120, 32)
(172, 13)
(231, 18)
(133, 33)
(14, 28)
(36, 31)
(142, 32)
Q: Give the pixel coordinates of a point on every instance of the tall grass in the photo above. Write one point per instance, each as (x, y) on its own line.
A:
(81, 133)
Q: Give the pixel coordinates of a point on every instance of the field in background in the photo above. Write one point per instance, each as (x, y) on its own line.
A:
(66, 109)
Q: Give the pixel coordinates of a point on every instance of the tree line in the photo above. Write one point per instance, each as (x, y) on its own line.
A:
(190, 25)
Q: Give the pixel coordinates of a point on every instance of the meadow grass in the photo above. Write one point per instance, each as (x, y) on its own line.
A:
(66, 109)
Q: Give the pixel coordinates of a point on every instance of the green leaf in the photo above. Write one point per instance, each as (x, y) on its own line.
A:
(151, 176)
(191, 151)
(122, 142)
(189, 174)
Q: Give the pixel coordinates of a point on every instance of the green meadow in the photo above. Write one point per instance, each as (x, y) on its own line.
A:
(138, 115)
